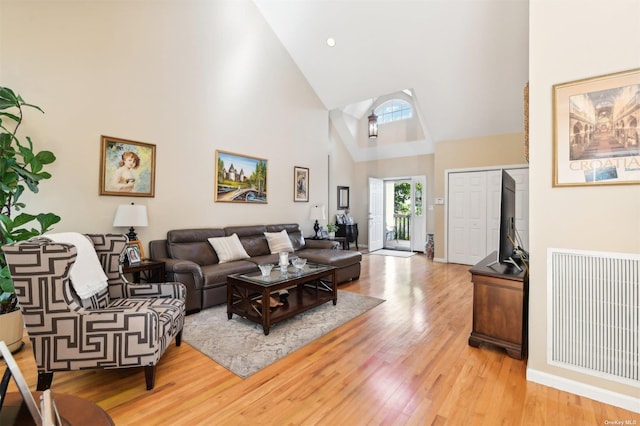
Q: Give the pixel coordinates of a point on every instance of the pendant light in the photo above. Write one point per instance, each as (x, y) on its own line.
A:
(373, 124)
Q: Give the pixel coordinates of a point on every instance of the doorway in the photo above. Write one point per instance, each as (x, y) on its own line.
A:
(396, 214)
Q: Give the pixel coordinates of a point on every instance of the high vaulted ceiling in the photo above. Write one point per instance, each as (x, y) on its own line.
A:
(465, 60)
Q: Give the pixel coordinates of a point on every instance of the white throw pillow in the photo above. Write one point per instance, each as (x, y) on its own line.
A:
(228, 248)
(279, 242)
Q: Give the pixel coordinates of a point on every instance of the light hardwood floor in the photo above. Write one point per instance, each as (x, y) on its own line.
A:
(405, 362)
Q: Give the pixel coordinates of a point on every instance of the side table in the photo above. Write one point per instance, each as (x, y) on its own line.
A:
(350, 232)
(150, 271)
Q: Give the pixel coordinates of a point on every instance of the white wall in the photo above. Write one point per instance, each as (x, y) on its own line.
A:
(572, 40)
(188, 76)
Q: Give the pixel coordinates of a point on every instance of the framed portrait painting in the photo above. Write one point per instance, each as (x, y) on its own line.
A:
(127, 168)
(596, 137)
(240, 179)
(300, 184)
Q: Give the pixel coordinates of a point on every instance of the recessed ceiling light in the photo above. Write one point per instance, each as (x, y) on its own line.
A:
(331, 42)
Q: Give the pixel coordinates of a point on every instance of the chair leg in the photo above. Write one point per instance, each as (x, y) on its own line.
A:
(179, 338)
(44, 381)
(150, 375)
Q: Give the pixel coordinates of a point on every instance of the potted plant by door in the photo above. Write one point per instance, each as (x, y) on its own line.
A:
(21, 168)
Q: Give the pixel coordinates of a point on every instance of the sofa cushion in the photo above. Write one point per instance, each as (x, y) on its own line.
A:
(279, 241)
(293, 230)
(228, 248)
(193, 245)
(252, 238)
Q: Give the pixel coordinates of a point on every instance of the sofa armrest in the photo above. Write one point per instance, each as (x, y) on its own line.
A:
(322, 244)
(190, 275)
(174, 290)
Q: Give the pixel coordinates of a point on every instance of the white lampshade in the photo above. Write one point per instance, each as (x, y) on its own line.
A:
(317, 213)
(131, 215)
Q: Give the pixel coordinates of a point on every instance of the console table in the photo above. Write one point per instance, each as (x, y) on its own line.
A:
(500, 306)
(349, 231)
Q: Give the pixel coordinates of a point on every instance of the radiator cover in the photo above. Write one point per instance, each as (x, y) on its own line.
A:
(594, 318)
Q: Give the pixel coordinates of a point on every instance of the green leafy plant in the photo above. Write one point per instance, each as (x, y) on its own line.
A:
(331, 227)
(21, 168)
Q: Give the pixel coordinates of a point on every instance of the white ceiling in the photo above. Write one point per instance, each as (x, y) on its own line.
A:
(466, 60)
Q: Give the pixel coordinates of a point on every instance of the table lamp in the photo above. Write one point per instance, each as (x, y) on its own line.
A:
(131, 215)
(317, 213)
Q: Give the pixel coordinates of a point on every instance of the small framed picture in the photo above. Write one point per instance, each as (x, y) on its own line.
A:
(133, 254)
(138, 244)
(300, 184)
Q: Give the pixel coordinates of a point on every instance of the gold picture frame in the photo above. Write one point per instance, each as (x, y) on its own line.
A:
(127, 168)
(138, 245)
(134, 256)
(240, 178)
(596, 133)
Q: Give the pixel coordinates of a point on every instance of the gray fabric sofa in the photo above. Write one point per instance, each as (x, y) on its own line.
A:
(190, 259)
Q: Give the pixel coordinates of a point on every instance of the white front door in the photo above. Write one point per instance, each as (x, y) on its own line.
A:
(376, 214)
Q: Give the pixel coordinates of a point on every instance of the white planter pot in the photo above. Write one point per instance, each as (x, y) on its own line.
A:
(12, 330)
(332, 235)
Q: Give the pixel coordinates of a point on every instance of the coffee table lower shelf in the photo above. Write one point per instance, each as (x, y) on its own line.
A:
(246, 299)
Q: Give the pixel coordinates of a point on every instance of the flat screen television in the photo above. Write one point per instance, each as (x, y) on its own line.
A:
(506, 245)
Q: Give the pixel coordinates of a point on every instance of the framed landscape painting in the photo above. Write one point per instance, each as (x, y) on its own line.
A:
(240, 178)
(596, 131)
(127, 168)
(300, 184)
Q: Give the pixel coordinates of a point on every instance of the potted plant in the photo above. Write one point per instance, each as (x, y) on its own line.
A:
(331, 229)
(21, 168)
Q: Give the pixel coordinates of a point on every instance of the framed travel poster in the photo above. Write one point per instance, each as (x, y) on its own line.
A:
(596, 133)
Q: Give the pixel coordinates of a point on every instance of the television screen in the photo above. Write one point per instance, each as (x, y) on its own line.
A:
(506, 245)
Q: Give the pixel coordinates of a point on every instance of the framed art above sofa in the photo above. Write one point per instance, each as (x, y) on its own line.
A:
(240, 178)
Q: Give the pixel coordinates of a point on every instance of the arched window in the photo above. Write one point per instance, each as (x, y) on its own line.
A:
(394, 110)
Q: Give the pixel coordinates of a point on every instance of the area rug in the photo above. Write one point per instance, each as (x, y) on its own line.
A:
(240, 345)
(395, 253)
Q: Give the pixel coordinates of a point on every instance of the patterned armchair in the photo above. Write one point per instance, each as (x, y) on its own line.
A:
(126, 325)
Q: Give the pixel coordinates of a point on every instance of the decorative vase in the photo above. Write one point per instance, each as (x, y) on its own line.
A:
(12, 330)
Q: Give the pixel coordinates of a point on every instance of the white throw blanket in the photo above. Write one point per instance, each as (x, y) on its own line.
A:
(87, 276)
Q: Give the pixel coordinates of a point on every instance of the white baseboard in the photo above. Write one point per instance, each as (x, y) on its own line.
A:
(608, 397)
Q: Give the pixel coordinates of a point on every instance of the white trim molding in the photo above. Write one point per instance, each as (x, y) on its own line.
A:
(577, 388)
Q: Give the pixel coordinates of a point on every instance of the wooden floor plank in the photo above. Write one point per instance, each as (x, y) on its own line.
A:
(405, 362)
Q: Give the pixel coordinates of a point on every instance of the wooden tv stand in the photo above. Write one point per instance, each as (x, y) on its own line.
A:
(500, 306)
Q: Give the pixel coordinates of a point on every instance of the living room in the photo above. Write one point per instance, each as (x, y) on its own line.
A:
(198, 76)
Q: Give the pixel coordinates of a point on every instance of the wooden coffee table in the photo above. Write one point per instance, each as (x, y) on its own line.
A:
(248, 294)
